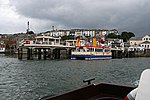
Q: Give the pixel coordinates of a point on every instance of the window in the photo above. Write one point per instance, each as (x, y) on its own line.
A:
(135, 43)
(99, 50)
(106, 50)
(91, 49)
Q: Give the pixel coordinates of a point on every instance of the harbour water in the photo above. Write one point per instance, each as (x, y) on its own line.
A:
(33, 79)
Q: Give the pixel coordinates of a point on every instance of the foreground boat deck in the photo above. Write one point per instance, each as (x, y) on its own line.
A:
(100, 91)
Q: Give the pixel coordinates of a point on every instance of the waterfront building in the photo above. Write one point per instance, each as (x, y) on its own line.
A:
(140, 42)
(47, 40)
(81, 32)
(140, 46)
(116, 43)
(70, 42)
(69, 36)
(56, 33)
(135, 41)
(145, 44)
(113, 31)
(146, 38)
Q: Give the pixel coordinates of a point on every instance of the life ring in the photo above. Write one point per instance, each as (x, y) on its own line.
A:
(131, 95)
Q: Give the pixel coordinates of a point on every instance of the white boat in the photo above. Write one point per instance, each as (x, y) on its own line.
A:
(88, 52)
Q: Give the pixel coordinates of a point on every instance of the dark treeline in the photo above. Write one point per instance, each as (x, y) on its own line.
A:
(124, 35)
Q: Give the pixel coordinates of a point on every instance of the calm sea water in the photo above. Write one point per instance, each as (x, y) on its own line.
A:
(33, 79)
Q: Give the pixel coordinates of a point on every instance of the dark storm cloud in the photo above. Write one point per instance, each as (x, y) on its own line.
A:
(124, 15)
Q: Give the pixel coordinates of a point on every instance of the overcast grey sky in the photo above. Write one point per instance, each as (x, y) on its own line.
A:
(123, 15)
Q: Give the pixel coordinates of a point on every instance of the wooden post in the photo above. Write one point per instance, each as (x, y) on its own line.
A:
(49, 53)
(31, 56)
(39, 54)
(44, 51)
(20, 53)
(28, 53)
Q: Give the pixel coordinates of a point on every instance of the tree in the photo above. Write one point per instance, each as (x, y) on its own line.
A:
(131, 34)
(64, 38)
(71, 37)
(112, 35)
(126, 36)
(30, 32)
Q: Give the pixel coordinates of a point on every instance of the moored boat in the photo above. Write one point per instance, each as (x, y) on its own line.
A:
(91, 51)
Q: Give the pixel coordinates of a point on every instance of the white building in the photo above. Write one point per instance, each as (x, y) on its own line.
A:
(70, 42)
(140, 42)
(135, 41)
(145, 44)
(146, 38)
(47, 40)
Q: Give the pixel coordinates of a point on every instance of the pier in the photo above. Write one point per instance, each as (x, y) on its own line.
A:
(117, 52)
(44, 51)
(44, 47)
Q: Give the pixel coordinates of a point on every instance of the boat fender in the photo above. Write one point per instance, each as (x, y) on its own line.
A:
(131, 95)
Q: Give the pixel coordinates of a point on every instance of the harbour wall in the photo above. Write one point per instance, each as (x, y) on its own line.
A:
(64, 53)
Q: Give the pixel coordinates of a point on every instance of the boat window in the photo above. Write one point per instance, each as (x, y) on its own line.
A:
(98, 50)
(91, 49)
(106, 50)
(78, 49)
(87, 49)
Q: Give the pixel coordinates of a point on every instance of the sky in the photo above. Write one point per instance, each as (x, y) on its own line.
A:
(123, 15)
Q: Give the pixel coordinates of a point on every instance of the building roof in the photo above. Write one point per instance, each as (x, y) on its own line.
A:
(136, 38)
(146, 35)
(145, 42)
(149, 35)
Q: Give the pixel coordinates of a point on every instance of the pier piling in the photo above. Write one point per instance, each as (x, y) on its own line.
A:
(20, 53)
(44, 53)
(39, 53)
(29, 54)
